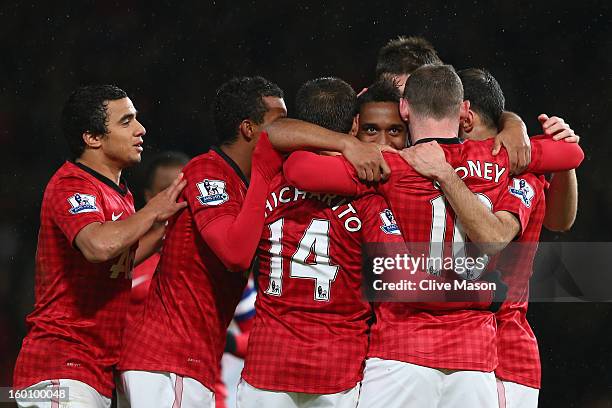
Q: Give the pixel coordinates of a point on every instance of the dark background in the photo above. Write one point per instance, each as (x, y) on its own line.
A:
(549, 57)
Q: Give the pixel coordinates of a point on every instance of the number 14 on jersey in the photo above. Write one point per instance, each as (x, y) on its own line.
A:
(314, 241)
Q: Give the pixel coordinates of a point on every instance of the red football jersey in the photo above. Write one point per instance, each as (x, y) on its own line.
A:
(192, 296)
(141, 281)
(453, 339)
(311, 322)
(517, 347)
(76, 327)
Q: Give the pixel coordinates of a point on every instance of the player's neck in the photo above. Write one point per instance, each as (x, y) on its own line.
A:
(104, 167)
(481, 132)
(241, 154)
(428, 128)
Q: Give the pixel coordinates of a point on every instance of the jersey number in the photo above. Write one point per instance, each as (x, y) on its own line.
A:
(125, 264)
(314, 241)
(438, 230)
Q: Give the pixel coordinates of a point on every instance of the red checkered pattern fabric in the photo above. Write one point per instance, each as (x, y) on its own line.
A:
(310, 335)
(192, 297)
(459, 339)
(141, 281)
(517, 347)
(76, 326)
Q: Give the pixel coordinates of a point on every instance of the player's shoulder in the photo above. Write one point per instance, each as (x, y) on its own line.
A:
(394, 158)
(478, 144)
(480, 147)
(70, 175)
(482, 150)
(397, 164)
(206, 163)
(369, 201)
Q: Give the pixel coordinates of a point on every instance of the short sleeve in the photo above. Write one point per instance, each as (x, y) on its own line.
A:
(211, 192)
(521, 196)
(379, 224)
(74, 202)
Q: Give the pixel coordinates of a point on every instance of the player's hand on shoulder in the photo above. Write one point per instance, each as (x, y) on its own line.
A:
(557, 128)
(164, 204)
(367, 159)
(515, 140)
(427, 159)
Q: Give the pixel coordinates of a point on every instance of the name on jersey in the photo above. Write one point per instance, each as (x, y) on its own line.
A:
(82, 203)
(212, 192)
(484, 170)
(343, 210)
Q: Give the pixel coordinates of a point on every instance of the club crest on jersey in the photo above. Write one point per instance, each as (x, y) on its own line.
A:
(82, 203)
(213, 192)
(389, 225)
(523, 190)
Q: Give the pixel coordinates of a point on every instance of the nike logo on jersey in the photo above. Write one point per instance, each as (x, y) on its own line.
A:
(116, 217)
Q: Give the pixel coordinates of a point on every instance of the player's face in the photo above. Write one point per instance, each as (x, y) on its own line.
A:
(380, 122)
(123, 142)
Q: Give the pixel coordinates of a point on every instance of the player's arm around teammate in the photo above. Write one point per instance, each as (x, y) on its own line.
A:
(173, 353)
(235, 238)
(562, 194)
(290, 135)
(492, 230)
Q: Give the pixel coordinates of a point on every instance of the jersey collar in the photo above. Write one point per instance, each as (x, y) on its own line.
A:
(231, 163)
(121, 190)
(440, 140)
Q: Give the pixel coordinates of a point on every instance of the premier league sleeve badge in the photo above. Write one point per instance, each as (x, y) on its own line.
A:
(212, 192)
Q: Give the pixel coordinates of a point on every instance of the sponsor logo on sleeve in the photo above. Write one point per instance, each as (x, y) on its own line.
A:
(82, 203)
(212, 192)
(523, 190)
(389, 225)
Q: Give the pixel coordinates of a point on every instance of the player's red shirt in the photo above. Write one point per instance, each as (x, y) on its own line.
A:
(141, 281)
(76, 327)
(460, 339)
(517, 347)
(311, 322)
(192, 296)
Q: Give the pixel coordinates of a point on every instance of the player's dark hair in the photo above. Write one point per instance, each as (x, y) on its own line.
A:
(403, 55)
(164, 159)
(484, 93)
(328, 102)
(85, 111)
(383, 90)
(239, 99)
(434, 91)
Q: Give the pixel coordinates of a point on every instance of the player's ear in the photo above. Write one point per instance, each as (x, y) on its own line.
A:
(468, 122)
(464, 108)
(404, 110)
(247, 130)
(92, 141)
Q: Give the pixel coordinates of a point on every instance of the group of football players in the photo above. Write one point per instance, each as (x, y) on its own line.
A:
(297, 200)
